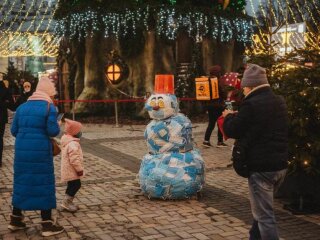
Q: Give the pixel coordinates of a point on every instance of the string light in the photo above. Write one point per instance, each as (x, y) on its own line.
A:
(295, 38)
(2, 9)
(311, 14)
(8, 12)
(49, 44)
(25, 45)
(24, 42)
(168, 22)
(21, 24)
(9, 28)
(315, 6)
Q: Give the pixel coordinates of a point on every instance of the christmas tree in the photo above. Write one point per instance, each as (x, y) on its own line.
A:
(299, 83)
(296, 76)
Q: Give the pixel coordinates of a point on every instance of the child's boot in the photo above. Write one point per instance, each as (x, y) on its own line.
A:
(68, 205)
(50, 228)
(16, 223)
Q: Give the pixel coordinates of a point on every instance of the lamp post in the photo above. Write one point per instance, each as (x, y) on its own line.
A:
(113, 74)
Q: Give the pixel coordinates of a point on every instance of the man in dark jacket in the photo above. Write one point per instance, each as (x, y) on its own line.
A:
(6, 101)
(214, 108)
(262, 126)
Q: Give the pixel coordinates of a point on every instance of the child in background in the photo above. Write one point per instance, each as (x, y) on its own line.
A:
(71, 162)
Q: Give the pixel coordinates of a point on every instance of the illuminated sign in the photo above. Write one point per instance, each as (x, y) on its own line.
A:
(289, 37)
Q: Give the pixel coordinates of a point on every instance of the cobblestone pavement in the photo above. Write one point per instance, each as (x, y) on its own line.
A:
(112, 206)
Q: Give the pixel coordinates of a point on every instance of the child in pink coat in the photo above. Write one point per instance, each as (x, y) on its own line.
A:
(71, 162)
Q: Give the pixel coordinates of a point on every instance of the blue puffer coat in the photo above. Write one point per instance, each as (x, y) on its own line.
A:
(34, 183)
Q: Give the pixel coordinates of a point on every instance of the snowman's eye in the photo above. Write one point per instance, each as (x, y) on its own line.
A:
(161, 103)
(152, 103)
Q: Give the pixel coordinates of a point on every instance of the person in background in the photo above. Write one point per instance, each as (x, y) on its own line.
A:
(6, 84)
(261, 126)
(26, 93)
(71, 162)
(214, 108)
(35, 122)
(16, 87)
(6, 102)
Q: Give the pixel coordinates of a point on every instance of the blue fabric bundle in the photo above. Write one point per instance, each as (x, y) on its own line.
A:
(172, 175)
(173, 169)
(171, 134)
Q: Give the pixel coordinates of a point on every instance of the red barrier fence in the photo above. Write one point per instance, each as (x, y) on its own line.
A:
(115, 101)
(107, 100)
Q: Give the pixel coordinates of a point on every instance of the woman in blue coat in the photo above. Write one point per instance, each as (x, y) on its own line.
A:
(35, 122)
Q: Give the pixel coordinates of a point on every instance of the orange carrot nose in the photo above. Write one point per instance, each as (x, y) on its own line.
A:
(156, 108)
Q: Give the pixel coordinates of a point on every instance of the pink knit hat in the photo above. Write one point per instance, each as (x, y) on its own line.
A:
(72, 127)
(46, 85)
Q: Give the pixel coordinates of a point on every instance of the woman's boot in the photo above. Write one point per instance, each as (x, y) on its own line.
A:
(16, 223)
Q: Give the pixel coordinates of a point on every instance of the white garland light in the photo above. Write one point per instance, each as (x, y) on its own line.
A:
(168, 23)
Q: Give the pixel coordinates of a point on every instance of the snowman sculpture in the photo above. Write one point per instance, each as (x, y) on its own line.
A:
(173, 168)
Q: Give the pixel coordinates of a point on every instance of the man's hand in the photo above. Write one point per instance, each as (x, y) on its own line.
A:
(226, 112)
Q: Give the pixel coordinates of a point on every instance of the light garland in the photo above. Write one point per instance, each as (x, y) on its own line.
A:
(8, 12)
(311, 14)
(24, 42)
(311, 38)
(168, 23)
(35, 16)
(48, 39)
(3, 35)
(315, 6)
(24, 45)
(2, 9)
(22, 22)
(255, 17)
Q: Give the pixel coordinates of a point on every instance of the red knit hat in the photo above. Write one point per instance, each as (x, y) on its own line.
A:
(72, 127)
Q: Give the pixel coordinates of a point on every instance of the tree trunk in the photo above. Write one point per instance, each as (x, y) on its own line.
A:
(184, 45)
(164, 58)
(148, 61)
(157, 58)
(226, 54)
(94, 81)
(238, 55)
(208, 52)
(79, 49)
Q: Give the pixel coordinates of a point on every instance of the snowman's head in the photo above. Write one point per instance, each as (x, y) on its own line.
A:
(162, 106)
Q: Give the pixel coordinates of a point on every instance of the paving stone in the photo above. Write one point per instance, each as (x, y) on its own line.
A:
(113, 207)
(200, 236)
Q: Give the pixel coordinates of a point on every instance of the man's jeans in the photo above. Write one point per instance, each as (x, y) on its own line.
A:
(262, 185)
